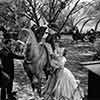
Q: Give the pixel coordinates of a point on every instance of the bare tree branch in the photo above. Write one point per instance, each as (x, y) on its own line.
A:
(43, 14)
(81, 8)
(97, 25)
(80, 20)
(62, 6)
(34, 15)
(85, 24)
(68, 16)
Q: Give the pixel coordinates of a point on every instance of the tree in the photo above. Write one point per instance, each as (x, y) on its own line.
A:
(94, 11)
(69, 15)
(30, 10)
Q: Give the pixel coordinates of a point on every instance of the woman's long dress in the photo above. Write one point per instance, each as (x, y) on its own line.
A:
(63, 83)
(66, 84)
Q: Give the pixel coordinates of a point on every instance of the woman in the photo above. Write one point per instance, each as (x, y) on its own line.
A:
(63, 83)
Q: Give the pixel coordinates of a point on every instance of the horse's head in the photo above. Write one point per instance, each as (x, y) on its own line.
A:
(29, 38)
(38, 57)
(23, 35)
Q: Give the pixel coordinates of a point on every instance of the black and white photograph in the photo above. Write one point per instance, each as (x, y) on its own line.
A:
(49, 49)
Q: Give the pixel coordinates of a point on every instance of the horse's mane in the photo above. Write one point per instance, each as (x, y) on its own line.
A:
(29, 31)
(31, 34)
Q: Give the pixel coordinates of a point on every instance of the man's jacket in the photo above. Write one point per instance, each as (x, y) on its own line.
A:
(7, 57)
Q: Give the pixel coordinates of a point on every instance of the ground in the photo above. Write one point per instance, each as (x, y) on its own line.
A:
(74, 55)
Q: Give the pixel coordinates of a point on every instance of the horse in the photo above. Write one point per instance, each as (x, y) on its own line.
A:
(37, 60)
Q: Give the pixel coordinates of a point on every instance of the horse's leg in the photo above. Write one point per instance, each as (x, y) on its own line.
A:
(32, 83)
(39, 83)
(39, 88)
(33, 79)
(36, 84)
(27, 69)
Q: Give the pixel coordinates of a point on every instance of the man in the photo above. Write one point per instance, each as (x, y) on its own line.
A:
(7, 56)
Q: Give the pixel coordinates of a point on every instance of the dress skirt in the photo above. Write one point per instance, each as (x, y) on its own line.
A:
(63, 84)
(66, 85)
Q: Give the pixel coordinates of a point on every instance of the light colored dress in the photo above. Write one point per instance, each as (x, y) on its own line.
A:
(65, 84)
